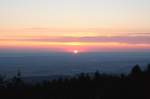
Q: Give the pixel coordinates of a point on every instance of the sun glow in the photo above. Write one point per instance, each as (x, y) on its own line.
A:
(75, 51)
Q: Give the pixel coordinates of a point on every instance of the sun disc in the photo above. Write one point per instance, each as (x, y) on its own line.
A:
(75, 51)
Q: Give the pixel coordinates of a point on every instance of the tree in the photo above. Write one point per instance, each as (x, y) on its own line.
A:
(17, 80)
(148, 68)
(97, 75)
(136, 71)
(1, 81)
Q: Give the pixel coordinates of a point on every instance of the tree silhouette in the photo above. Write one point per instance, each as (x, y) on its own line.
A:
(136, 71)
(17, 80)
(148, 68)
(136, 85)
(2, 81)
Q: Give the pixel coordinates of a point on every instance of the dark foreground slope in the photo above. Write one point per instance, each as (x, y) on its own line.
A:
(135, 85)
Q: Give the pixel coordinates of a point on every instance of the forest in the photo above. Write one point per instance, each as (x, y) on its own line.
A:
(134, 85)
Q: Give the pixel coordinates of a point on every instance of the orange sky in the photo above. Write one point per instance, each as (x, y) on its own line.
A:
(67, 25)
(41, 39)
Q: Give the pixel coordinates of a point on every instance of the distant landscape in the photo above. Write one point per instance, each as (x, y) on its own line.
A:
(54, 64)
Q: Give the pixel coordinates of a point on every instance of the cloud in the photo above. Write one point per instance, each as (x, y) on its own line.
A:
(101, 39)
(40, 34)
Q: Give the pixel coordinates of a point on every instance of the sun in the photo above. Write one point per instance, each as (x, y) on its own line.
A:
(75, 51)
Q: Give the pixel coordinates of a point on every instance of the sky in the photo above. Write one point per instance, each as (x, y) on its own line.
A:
(68, 25)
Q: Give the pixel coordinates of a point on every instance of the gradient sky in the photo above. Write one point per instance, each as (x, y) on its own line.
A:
(67, 25)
